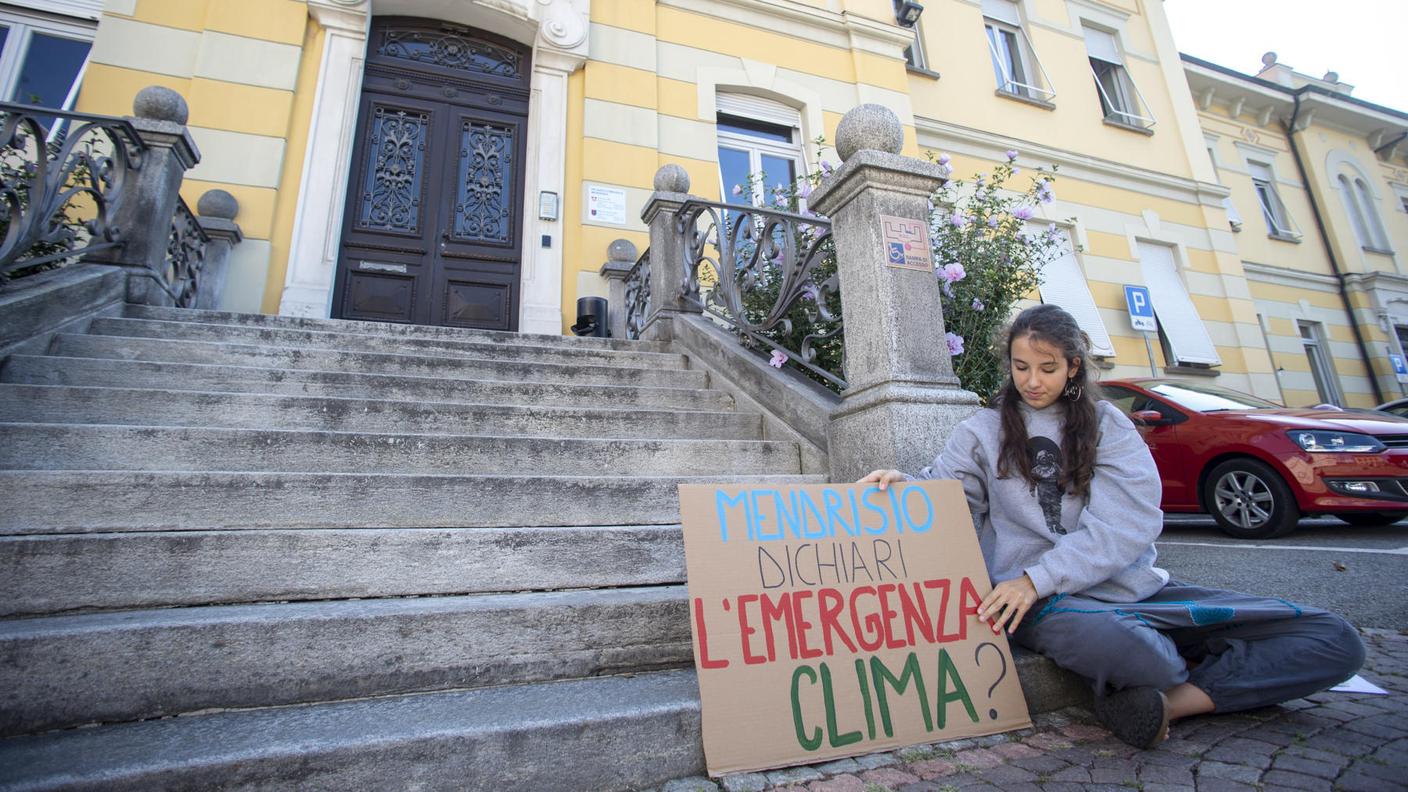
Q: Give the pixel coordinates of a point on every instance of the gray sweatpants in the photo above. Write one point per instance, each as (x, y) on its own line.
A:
(1245, 651)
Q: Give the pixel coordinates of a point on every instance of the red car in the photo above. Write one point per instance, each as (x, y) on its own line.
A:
(1257, 467)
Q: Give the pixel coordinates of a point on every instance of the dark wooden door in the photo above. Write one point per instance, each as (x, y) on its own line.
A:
(433, 221)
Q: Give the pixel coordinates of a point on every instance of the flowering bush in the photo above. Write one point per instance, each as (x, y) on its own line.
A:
(986, 256)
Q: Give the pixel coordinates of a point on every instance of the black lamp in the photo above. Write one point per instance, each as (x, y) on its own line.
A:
(907, 12)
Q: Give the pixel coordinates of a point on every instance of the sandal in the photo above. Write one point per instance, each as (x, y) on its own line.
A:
(1137, 715)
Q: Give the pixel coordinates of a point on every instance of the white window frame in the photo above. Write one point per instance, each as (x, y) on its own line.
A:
(1187, 337)
(1063, 283)
(752, 108)
(1001, 16)
(1377, 237)
(1234, 218)
(1322, 370)
(23, 25)
(1279, 224)
(915, 55)
(1131, 110)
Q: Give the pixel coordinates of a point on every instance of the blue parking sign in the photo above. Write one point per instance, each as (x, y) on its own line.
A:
(1141, 308)
(1400, 369)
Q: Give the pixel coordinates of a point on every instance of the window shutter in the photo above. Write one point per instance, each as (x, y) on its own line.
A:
(1102, 46)
(744, 106)
(1187, 336)
(1063, 284)
(1002, 11)
(1233, 216)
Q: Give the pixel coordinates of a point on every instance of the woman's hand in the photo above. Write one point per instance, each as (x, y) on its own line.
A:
(1007, 603)
(882, 478)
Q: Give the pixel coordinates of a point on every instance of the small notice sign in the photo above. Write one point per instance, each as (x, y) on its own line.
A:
(906, 243)
(834, 620)
(1400, 369)
(606, 204)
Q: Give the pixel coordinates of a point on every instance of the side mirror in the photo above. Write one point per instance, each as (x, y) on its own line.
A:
(1148, 418)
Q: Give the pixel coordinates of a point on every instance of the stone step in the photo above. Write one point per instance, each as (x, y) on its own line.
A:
(150, 407)
(75, 572)
(49, 370)
(590, 735)
(47, 446)
(170, 351)
(387, 329)
(524, 352)
(176, 660)
(56, 502)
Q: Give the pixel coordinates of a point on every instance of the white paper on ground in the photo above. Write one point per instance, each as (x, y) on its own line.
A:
(1358, 684)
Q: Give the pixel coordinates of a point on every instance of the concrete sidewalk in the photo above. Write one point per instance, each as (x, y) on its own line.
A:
(1330, 741)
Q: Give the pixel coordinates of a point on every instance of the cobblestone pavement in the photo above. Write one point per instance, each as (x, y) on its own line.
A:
(1329, 741)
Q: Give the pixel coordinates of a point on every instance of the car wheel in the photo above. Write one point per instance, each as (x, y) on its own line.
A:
(1249, 500)
(1371, 519)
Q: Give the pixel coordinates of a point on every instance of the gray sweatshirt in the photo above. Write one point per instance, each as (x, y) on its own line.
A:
(1101, 546)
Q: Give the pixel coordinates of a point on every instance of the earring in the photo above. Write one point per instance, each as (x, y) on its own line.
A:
(1073, 391)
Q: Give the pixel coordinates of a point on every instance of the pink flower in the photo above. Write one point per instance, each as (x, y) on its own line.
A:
(992, 221)
(978, 304)
(737, 189)
(955, 344)
(826, 167)
(1022, 213)
(954, 272)
(958, 220)
(1045, 194)
(779, 357)
(945, 159)
(1011, 155)
(809, 292)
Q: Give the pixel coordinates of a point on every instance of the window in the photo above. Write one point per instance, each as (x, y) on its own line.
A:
(1187, 339)
(1234, 218)
(1119, 98)
(42, 58)
(1326, 384)
(757, 136)
(1014, 62)
(914, 53)
(1273, 211)
(1063, 284)
(1359, 204)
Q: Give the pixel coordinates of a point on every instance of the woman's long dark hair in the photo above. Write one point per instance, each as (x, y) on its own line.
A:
(1050, 324)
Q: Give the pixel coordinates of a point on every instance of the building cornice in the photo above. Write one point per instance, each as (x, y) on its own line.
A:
(841, 29)
(1284, 276)
(936, 134)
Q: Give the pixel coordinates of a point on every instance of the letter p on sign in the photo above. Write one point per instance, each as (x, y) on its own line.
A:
(1141, 309)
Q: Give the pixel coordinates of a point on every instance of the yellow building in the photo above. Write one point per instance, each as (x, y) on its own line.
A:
(469, 162)
(1319, 186)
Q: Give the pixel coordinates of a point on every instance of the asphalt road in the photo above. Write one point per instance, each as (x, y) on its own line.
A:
(1371, 590)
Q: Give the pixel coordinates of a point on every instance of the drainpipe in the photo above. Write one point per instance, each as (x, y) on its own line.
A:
(1330, 250)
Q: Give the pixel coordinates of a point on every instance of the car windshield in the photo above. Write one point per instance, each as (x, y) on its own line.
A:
(1208, 398)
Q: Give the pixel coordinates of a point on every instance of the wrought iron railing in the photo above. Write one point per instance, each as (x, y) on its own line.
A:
(57, 196)
(770, 276)
(185, 257)
(637, 295)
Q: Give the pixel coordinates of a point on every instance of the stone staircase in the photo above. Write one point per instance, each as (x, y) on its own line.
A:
(251, 551)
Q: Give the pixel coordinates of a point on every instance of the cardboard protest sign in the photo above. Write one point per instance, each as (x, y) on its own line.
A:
(834, 620)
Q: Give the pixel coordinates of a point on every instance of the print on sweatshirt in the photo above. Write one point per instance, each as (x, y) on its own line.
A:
(1046, 468)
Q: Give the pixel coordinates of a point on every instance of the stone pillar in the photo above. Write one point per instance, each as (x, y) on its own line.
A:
(327, 158)
(143, 213)
(903, 399)
(667, 265)
(621, 256)
(216, 211)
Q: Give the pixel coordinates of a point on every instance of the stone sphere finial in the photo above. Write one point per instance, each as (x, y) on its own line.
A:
(218, 203)
(1331, 77)
(1268, 60)
(869, 126)
(160, 103)
(622, 250)
(671, 178)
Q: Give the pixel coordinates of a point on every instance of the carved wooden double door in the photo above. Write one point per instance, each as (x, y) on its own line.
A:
(432, 230)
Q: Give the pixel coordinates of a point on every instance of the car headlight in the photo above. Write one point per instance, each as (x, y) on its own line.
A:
(1342, 442)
